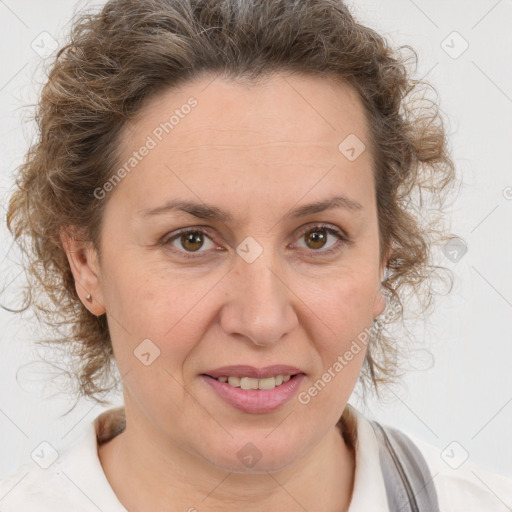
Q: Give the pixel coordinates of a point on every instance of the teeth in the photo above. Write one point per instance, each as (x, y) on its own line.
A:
(250, 383)
(234, 381)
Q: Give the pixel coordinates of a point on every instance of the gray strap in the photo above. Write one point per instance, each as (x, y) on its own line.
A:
(409, 485)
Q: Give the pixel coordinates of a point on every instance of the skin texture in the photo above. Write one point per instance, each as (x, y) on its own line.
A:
(257, 152)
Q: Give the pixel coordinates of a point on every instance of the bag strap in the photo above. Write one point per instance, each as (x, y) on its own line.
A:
(409, 484)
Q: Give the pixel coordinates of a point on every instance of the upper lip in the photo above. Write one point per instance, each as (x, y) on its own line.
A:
(251, 371)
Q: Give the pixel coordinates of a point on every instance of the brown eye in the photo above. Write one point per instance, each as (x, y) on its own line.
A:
(189, 241)
(192, 241)
(316, 239)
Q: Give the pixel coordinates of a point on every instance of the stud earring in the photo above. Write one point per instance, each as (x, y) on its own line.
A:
(89, 298)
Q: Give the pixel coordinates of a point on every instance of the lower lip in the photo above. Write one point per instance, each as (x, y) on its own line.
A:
(255, 401)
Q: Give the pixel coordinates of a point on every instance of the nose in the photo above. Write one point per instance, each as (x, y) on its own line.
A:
(260, 307)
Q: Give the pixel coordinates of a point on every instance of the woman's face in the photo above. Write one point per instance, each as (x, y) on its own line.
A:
(253, 283)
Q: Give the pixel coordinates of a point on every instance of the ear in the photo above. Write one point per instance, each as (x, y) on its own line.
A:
(83, 261)
(379, 304)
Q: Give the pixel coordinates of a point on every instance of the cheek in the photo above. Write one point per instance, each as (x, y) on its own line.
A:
(148, 302)
(150, 296)
(345, 301)
(341, 349)
(344, 313)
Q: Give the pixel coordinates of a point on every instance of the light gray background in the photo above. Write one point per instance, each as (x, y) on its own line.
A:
(466, 395)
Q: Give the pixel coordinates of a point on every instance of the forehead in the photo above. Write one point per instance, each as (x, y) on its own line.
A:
(285, 131)
(300, 110)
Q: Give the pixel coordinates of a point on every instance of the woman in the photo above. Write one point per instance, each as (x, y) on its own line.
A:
(222, 200)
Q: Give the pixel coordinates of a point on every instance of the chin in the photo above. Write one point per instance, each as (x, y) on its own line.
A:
(255, 454)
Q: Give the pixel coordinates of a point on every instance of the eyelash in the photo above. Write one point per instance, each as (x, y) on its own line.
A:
(343, 240)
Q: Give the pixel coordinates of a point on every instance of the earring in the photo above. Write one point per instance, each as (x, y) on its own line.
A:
(89, 298)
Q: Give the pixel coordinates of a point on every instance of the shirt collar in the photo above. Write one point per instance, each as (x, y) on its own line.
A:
(369, 491)
(81, 464)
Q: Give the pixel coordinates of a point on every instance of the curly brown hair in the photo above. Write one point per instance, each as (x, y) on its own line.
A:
(121, 56)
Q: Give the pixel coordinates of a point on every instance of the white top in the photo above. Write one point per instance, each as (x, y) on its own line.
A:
(75, 481)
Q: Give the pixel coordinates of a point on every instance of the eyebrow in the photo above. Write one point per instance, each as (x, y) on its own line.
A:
(211, 212)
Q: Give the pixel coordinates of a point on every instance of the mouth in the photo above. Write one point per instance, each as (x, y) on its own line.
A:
(255, 390)
(248, 383)
(254, 400)
(249, 377)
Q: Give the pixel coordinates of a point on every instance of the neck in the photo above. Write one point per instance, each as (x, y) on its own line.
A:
(146, 477)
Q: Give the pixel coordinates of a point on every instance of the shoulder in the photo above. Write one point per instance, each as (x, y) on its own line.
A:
(75, 480)
(31, 488)
(462, 484)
